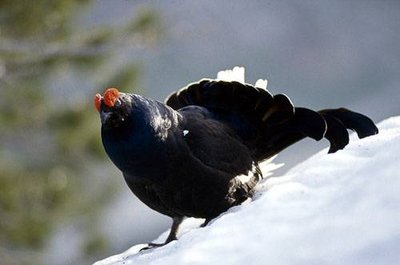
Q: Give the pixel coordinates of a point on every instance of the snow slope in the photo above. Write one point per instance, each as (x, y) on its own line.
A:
(342, 208)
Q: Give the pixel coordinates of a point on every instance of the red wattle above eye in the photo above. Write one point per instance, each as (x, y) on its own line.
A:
(111, 96)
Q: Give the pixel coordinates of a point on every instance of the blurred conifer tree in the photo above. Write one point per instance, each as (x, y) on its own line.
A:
(48, 150)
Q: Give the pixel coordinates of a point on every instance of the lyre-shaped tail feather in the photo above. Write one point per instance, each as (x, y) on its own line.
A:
(339, 120)
(268, 124)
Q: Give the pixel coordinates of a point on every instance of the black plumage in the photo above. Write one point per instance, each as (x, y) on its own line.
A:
(197, 155)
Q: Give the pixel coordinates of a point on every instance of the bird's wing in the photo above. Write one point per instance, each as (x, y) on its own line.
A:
(269, 123)
(214, 143)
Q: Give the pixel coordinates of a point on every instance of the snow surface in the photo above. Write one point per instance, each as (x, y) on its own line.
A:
(341, 208)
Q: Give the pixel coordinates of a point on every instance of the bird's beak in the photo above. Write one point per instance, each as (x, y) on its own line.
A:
(104, 116)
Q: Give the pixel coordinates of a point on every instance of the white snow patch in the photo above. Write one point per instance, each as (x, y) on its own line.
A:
(341, 208)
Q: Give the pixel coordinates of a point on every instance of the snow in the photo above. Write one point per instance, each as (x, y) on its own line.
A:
(341, 208)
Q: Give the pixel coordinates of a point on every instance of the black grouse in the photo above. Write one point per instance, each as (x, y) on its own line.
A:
(184, 158)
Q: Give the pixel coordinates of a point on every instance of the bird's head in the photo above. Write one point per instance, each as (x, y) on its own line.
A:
(114, 107)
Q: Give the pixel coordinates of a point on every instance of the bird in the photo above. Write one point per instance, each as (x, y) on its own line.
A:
(198, 153)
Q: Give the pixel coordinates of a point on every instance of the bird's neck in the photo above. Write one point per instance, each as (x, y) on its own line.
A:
(138, 147)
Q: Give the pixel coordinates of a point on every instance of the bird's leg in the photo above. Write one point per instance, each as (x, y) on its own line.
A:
(176, 221)
(205, 222)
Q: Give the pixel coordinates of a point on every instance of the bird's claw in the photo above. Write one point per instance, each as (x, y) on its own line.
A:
(152, 246)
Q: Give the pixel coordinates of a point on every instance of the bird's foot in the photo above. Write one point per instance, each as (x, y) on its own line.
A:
(205, 222)
(153, 246)
(171, 237)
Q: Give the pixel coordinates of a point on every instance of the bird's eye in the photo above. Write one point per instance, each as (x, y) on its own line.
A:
(117, 103)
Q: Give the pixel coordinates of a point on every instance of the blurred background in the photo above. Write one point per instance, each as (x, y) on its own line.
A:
(61, 199)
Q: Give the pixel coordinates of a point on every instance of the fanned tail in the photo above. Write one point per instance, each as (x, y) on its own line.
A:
(268, 123)
(332, 124)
